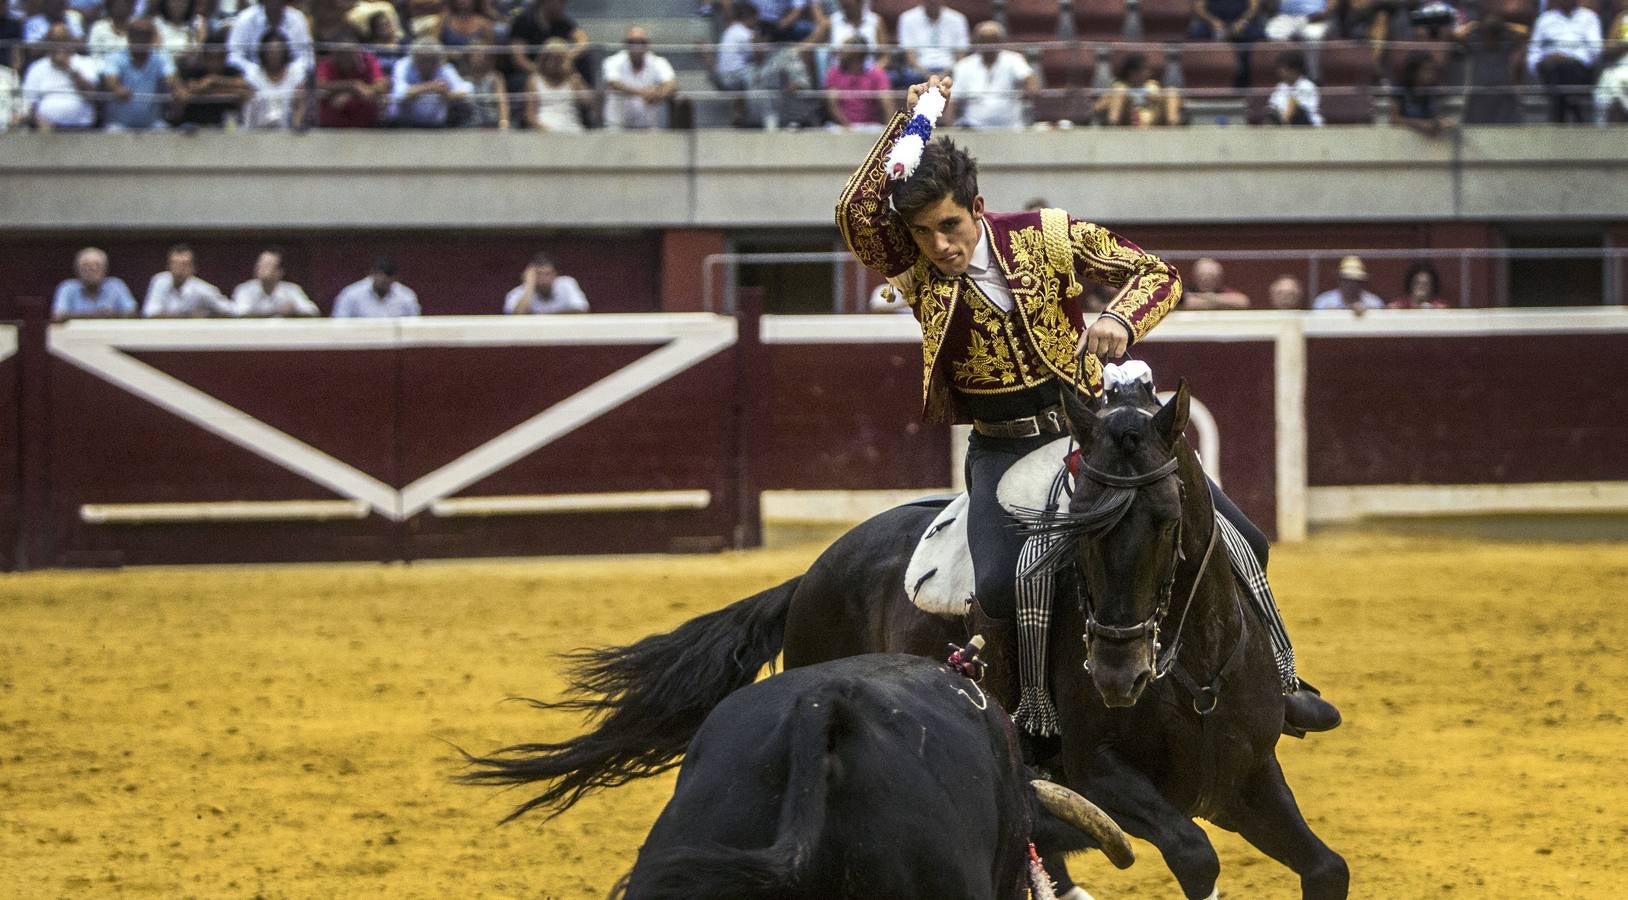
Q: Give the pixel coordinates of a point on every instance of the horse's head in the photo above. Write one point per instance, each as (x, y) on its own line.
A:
(1125, 524)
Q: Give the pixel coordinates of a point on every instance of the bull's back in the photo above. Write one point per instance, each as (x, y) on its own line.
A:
(868, 776)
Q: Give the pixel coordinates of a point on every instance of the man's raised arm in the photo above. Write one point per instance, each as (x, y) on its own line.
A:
(867, 224)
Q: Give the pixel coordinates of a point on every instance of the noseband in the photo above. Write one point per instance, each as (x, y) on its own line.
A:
(1114, 504)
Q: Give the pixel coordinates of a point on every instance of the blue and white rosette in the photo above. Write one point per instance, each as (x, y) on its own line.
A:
(905, 156)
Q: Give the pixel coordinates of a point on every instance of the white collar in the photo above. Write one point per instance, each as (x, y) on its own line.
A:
(981, 253)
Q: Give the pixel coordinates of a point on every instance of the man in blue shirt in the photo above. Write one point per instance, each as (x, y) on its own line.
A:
(425, 88)
(139, 80)
(92, 295)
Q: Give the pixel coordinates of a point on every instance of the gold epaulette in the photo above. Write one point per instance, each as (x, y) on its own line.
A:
(1059, 250)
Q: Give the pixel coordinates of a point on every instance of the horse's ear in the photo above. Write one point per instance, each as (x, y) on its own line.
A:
(1081, 410)
(1171, 420)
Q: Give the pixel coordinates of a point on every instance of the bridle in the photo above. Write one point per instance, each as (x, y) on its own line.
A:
(1114, 503)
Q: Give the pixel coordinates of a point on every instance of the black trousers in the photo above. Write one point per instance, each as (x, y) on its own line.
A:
(994, 536)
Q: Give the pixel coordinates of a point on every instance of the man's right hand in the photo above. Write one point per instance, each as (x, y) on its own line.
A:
(942, 82)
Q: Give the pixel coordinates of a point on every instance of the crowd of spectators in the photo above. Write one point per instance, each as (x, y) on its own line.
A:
(277, 64)
(178, 292)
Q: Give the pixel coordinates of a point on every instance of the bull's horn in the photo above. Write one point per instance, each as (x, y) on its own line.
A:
(1084, 815)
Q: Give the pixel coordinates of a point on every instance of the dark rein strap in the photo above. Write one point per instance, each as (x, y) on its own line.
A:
(1164, 665)
(1141, 479)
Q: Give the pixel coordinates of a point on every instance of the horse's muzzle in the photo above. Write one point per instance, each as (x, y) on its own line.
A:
(1121, 671)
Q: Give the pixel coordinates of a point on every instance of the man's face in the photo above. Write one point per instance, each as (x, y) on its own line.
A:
(62, 41)
(1351, 288)
(141, 38)
(181, 267)
(637, 43)
(1207, 275)
(947, 232)
(1285, 294)
(545, 277)
(427, 64)
(382, 283)
(91, 269)
(274, 8)
(932, 8)
(268, 268)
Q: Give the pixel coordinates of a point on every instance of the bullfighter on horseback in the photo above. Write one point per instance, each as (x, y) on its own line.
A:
(1003, 331)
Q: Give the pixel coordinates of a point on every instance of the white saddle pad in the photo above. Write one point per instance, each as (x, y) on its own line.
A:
(940, 579)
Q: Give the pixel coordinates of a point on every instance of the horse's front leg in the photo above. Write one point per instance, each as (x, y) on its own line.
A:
(1270, 819)
(1127, 795)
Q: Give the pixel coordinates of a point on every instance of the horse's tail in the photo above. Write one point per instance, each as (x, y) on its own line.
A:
(680, 872)
(649, 700)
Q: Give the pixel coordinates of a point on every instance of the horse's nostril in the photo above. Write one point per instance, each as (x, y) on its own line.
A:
(1141, 683)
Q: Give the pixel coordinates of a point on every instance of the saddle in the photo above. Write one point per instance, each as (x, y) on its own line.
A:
(939, 578)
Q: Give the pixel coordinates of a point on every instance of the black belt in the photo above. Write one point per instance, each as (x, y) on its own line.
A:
(1048, 421)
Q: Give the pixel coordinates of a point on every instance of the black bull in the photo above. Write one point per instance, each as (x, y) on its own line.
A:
(883, 775)
(1152, 759)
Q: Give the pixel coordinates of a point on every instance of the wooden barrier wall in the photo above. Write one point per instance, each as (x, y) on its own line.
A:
(222, 441)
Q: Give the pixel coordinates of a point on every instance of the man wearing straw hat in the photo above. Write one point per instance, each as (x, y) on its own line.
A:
(998, 299)
(1352, 290)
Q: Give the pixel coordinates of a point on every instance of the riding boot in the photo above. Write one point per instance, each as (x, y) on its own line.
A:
(1000, 653)
(1305, 710)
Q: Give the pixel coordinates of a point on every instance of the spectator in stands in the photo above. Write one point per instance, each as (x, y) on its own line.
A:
(386, 42)
(489, 94)
(108, 35)
(180, 28)
(11, 103)
(1295, 99)
(991, 82)
(330, 25)
(1136, 98)
(59, 88)
(250, 25)
(857, 88)
(1418, 96)
(1208, 289)
(1285, 292)
(178, 292)
(638, 84)
(267, 294)
(349, 85)
(734, 54)
(851, 19)
(211, 90)
(1565, 46)
(1421, 288)
(544, 290)
(1491, 46)
(786, 21)
(38, 27)
(1298, 20)
(1611, 91)
(278, 81)
(426, 91)
(530, 29)
(359, 16)
(556, 93)
(932, 36)
(378, 296)
(1237, 21)
(1351, 291)
(91, 294)
(139, 80)
(779, 81)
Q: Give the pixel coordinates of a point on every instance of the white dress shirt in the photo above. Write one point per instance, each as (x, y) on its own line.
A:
(243, 44)
(984, 270)
(360, 301)
(1577, 36)
(194, 298)
(286, 299)
(625, 110)
(936, 43)
(53, 97)
(1332, 299)
(565, 297)
(990, 96)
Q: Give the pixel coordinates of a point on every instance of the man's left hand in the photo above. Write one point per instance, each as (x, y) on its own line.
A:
(1107, 338)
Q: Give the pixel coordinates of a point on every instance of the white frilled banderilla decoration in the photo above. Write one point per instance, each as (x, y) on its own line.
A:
(905, 156)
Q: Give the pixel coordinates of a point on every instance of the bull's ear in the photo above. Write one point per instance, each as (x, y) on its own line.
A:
(1081, 410)
(1171, 419)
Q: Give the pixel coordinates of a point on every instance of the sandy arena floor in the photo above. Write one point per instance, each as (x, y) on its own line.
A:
(282, 732)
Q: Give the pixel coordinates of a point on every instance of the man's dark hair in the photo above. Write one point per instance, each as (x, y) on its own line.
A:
(385, 265)
(1129, 66)
(945, 170)
(745, 12)
(543, 259)
(1293, 60)
(177, 249)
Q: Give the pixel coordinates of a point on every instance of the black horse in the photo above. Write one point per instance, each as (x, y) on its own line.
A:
(1179, 717)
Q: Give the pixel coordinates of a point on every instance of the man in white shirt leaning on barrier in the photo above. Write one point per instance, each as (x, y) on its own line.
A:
(378, 296)
(267, 294)
(178, 292)
(544, 290)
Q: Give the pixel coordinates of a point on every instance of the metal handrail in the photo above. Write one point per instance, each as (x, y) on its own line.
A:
(853, 273)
